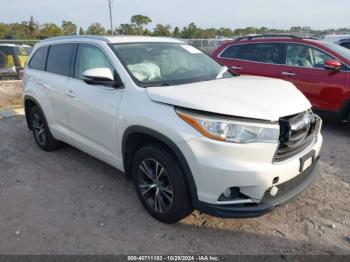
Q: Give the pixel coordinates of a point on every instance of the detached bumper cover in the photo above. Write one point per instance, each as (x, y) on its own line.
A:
(291, 189)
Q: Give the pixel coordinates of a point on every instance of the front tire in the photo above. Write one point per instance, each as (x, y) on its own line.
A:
(160, 184)
(41, 131)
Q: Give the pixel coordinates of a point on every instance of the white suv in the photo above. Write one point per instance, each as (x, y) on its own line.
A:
(186, 131)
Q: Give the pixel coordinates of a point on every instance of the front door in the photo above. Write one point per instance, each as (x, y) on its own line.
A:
(93, 109)
(304, 68)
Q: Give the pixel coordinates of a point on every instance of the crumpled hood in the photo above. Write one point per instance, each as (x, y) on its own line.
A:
(243, 96)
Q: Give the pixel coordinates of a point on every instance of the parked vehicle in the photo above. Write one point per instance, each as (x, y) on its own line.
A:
(343, 40)
(12, 59)
(344, 43)
(207, 45)
(188, 133)
(319, 69)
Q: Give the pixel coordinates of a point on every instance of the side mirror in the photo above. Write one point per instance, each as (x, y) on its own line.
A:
(102, 76)
(334, 65)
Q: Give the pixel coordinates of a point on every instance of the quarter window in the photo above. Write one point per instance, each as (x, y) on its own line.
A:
(305, 56)
(89, 57)
(346, 45)
(231, 52)
(38, 60)
(59, 59)
(262, 52)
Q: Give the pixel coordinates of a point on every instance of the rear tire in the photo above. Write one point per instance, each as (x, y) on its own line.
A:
(41, 131)
(160, 184)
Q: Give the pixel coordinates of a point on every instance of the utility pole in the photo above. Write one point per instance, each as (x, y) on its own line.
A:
(110, 14)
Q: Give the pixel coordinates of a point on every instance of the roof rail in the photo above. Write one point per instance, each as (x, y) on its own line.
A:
(244, 38)
(96, 37)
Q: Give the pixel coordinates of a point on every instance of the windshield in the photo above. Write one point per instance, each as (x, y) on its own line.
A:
(342, 51)
(164, 64)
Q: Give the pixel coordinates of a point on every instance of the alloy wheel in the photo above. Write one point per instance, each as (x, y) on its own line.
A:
(39, 129)
(155, 185)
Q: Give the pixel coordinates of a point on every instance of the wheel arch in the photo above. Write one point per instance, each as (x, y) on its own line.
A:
(137, 136)
(29, 103)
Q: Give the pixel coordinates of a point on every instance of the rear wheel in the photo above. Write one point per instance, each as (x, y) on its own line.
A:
(41, 131)
(160, 184)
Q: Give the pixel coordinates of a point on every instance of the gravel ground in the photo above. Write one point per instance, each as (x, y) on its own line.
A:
(68, 202)
(11, 94)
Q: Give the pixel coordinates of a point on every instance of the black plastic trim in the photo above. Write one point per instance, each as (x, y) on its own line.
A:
(255, 210)
(30, 98)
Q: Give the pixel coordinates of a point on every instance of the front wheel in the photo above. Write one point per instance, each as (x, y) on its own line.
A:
(160, 184)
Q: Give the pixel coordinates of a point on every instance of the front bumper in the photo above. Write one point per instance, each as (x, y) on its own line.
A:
(295, 187)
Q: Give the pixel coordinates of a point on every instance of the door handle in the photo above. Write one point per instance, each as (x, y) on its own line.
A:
(70, 93)
(236, 67)
(288, 74)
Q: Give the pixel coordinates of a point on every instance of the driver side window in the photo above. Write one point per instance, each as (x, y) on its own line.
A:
(88, 57)
(306, 56)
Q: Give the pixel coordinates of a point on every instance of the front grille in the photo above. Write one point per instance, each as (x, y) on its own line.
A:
(297, 132)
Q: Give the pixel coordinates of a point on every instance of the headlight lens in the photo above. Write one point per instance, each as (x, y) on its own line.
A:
(228, 130)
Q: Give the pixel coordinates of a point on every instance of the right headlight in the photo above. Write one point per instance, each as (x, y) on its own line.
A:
(235, 131)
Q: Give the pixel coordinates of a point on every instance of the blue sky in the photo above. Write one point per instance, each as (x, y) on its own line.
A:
(319, 14)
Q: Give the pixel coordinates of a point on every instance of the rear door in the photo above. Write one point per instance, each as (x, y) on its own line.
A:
(304, 68)
(261, 59)
(54, 83)
(93, 109)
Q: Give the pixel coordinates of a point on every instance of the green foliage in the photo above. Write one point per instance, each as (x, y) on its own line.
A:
(50, 30)
(139, 21)
(96, 29)
(69, 28)
(127, 29)
(31, 30)
(162, 30)
(81, 31)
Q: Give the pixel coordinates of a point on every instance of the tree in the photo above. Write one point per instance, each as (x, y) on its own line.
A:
(127, 29)
(50, 30)
(96, 29)
(140, 21)
(177, 32)
(69, 28)
(3, 30)
(81, 31)
(191, 31)
(32, 28)
(162, 30)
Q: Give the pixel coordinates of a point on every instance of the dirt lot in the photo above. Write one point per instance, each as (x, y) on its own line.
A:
(11, 95)
(67, 202)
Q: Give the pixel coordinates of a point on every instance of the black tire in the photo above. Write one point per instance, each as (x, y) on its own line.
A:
(41, 131)
(170, 179)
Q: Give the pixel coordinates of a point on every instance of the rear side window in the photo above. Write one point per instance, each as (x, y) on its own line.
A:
(231, 52)
(59, 59)
(346, 45)
(38, 60)
(262, 52)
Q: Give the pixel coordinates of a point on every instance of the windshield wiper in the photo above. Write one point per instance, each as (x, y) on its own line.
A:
(222, 71)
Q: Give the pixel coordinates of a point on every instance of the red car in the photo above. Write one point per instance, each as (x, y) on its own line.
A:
(319, 69)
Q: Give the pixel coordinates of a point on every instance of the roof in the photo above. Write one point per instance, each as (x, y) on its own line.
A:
(113, 39)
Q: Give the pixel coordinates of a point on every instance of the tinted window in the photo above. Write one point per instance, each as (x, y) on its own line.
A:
(346, 44)
(38, 60)
(89, 57)
(305, 56)
(262, 52)
(59, 59)
(231, 52)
